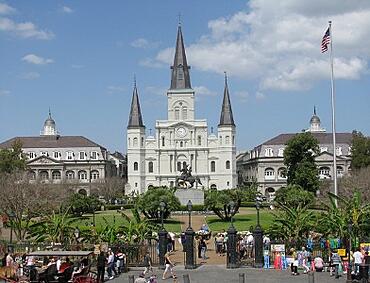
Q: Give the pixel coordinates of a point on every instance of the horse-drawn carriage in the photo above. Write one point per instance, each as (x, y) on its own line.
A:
(77, 272)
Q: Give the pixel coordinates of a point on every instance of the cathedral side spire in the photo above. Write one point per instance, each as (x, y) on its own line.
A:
(226, 118)
(180, 77)
(135, 119)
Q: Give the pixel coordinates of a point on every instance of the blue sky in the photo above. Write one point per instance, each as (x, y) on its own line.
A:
(80, 57)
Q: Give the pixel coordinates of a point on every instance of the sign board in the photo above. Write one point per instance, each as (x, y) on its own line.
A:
(278, 247)
(342, 252)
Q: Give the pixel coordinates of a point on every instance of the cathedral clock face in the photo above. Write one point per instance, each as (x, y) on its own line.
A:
(181, 132)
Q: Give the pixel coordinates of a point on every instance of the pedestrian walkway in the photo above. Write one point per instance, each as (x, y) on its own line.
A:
(197, 221)
(219, 274)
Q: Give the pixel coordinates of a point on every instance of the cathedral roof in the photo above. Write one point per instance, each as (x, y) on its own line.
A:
(180, 78)
(135, 119)
(226, 118)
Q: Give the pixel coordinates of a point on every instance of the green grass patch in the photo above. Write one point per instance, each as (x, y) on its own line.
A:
(114, 217)
(242, 222)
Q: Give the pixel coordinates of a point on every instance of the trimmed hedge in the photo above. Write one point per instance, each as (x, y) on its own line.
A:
(117, 206)
(253, 204)
(196, 207)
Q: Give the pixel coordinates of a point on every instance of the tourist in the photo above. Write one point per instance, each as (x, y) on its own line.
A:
(111, 266)
(250, 242)
(219, 243)
(120, 261)
(147, 263)
(199, 246)
(172, 239)
(357, 257)
(294, 263)
(305, 260)
(203, 247)
(9, 260)
(318, 264)
(169, 266)
(101, 266)
(335, 262)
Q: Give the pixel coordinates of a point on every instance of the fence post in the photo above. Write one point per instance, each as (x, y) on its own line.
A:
(311, 277)
(131, 279)
(186, 278)
(241, 277)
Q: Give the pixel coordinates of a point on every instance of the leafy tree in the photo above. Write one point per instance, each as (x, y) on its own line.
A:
(360, 150)
(292, 224)
(218, 202)
(250, 192)
(13, 159)
(357, 180)
(56, 228)
(148, 203)
(299, 157)
(293, 196)
(111, 188)
(79, 204)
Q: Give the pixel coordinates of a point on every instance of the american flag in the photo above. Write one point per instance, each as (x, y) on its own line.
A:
(325, 41)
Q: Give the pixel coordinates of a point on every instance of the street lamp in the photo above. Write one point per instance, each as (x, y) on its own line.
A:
(258, 206)
(349, 269)
(162, 206)
(190, 208)
(231, 211)
(258, 236)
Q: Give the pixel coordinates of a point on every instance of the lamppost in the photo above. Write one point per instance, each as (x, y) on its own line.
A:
(258, 237)
(11, 216)
(349, 269)
(162, 237)
(189, 241)
(231, 240)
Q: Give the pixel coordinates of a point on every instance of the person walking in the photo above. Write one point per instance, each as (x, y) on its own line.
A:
(169, 266)
(203, 248)
(147, 263)
(305, 260)
(111, 265)
(335, 262)
(100, 264)
(357, 258)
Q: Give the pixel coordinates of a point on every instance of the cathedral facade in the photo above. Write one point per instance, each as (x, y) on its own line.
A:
(181, 141)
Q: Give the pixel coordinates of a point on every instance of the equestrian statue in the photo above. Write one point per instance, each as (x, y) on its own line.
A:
(186, 180)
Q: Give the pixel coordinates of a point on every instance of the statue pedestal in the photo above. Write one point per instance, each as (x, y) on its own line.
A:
(195, 195)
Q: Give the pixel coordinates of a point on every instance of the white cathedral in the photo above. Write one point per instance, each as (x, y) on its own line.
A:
(181, 140)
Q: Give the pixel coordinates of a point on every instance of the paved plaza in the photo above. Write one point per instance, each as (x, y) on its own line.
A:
(219, 274)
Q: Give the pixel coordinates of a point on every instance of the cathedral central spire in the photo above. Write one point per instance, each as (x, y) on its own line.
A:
(180, 78)
(135, 119)
(226, 118)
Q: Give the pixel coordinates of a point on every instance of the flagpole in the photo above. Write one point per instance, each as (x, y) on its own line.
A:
(333, 115)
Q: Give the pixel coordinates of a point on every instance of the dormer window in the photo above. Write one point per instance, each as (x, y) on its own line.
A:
(269, 152)
(57, 155)
(32, 155)
(44, 153)
(69, 155)
(94, 155)
(82, 155)
(281, 152)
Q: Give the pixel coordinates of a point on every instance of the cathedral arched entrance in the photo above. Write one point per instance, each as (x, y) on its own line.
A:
(82, 192)
(213, 187)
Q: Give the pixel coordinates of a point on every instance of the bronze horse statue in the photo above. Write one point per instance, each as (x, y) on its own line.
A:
(186, 180)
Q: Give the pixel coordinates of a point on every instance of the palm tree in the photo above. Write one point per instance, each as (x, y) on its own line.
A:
(55, 228)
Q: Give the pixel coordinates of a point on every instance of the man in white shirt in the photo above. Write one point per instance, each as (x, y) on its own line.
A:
(357, 257)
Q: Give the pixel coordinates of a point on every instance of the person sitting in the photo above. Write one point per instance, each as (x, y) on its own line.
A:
(204, 228)
(319, 264)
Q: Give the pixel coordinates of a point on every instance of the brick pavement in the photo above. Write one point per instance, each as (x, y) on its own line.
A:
(219, 274)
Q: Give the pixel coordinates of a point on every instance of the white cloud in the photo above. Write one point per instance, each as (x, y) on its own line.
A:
(67, 10)
(4, 92)
(203, 91)
(6, 9)
(144, 43)
(24, 30)
(277, 43)
(148, 62)
(260, 95)
(37, 60)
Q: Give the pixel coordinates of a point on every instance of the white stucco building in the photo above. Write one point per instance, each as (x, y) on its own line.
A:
(182, 139)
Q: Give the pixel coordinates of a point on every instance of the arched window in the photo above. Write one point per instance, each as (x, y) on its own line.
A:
(213, 166)
(227, 164)
(181, 144)
(213, 187)
(150, 167)
(281, 152)
(184, 113)
(136, 166)
(56, 175)
(269, 174)
(199, 140)
(324, 173)
(94, 174)
(135, 142)
(184, 164)
(227, 140)
(82, 175)
(233, 140)
(129, 142)
(282, 173)
(70, 175)
(177, 113)
(44, 175)
(142, 141)
(339, 171)
(220, 140)
(178, 166)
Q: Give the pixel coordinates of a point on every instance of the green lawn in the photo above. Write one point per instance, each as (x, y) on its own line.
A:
(242, 221)
(112, 216)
